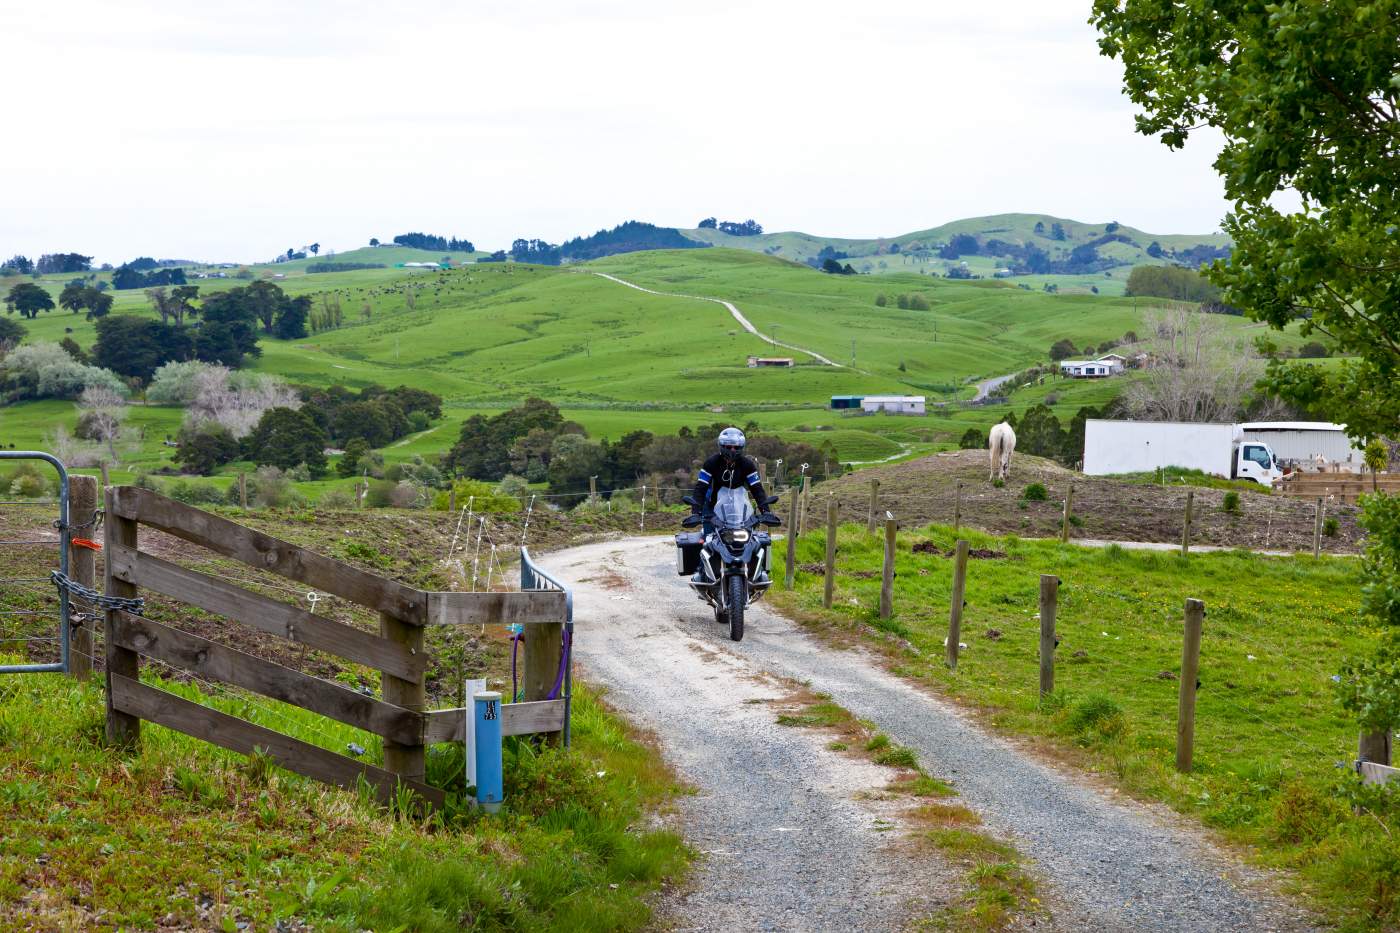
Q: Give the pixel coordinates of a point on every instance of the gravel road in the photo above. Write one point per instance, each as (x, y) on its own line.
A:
(793, 844)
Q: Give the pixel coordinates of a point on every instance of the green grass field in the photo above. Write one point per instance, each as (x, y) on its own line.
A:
(1269, 730)
(486, 336)
(180, 832)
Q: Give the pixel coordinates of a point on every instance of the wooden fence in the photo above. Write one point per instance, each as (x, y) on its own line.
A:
(400, 718)
(1345, 488)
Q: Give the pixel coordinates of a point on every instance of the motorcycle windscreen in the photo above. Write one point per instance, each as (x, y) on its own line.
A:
(732, 507)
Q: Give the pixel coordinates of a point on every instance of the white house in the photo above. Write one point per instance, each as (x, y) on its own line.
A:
(1090, 369)
(893, 404)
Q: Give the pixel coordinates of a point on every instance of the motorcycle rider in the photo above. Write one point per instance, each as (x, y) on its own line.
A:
(727, 469)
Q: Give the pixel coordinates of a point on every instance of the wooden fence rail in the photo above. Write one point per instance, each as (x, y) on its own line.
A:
(397, 651)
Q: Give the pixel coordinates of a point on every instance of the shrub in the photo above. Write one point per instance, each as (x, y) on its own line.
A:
(271, 488)
(1035, 492)
(482, 496)
(1313, 351)
(918, 303)
(194, 493)
(972, 439)
(336, 500)
(27, 482)
(1330, 526)
(902, 302)
(1231, 503)
(514, 486)
(45, 370)
(1097, 717)
(881, 300)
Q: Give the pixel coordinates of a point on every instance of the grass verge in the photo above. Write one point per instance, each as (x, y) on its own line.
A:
(998, 893)
(1270, 735)
(181, 833)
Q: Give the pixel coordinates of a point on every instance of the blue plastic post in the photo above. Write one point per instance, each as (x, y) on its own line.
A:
(489, 789)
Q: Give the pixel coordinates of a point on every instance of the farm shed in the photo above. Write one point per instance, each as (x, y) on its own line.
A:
(839, 402)
(756, 361)
(893, 404)
(1299, 442)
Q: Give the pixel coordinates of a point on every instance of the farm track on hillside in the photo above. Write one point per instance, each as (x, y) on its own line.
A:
(734, 311)
(788, 832)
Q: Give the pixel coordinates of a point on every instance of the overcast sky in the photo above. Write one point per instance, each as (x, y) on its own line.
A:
(231, 131)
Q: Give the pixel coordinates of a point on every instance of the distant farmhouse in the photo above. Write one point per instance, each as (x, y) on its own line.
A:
(757, 361)
(1110, 365)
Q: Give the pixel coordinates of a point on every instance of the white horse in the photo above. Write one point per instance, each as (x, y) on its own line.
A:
(1000, 443)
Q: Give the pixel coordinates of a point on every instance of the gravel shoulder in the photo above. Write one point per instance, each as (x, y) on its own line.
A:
(791, 837)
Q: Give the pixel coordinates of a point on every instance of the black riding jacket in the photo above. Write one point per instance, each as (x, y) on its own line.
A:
(718, 473)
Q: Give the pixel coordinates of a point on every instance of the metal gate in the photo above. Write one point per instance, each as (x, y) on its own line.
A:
(16, 587)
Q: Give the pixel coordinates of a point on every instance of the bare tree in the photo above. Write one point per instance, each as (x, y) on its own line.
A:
(237, 400)
(101, 415)
(1199, 371)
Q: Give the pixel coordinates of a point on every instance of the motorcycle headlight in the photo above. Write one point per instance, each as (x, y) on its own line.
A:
(735, 537)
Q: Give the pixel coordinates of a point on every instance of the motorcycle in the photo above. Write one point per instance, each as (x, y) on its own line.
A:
(734, 559)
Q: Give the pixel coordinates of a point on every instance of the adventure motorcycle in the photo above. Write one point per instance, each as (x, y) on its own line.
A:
(733, 560)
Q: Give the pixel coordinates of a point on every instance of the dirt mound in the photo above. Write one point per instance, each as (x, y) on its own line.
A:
(932, 488)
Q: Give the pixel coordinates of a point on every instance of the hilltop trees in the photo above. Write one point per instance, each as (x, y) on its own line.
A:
(427, 241)
(60, 263)
(17, 265)
(1057, 231)
(176, 305)
(28, 299)
(1171, 282)
(127, 277)
(709, 223)
(747, 228)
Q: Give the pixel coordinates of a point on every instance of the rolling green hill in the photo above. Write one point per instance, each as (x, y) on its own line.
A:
(614, 358)
(918, 251)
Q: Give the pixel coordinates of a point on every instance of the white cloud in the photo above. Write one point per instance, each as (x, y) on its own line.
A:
(232, 131)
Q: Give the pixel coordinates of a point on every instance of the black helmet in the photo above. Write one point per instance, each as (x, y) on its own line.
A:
(731, 443)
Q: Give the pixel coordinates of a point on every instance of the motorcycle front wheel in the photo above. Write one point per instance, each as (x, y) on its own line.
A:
(737, 598)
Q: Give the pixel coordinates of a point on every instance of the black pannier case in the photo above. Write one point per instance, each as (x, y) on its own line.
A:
(688, 544)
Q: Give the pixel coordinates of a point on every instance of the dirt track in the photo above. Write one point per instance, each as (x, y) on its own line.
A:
(788, 845)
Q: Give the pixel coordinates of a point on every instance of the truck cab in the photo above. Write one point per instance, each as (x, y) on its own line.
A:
(1256, 460)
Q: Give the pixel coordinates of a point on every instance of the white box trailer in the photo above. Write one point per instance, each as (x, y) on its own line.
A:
(1300, 443)
(1115, 447)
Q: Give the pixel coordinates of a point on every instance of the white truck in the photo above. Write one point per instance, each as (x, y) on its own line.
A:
(1113, 447)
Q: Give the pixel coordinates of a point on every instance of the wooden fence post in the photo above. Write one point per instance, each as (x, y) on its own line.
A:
(544, 652)
(830, 552)
(887, 571)
(452, 500)
(592, 490)
(243, 490)
(874, 506)
(957, 508)
(955, 607)
(404, 760)
(1186, 523)
(791, 568)
(763, 473)
(82, 568)
(1186, 697)
(105, 481)
(1374, 746)
(1317, 528)
(122, 728)
(1049, 606)
(1064, 522)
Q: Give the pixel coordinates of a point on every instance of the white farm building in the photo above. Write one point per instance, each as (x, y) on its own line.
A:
(893, 404)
